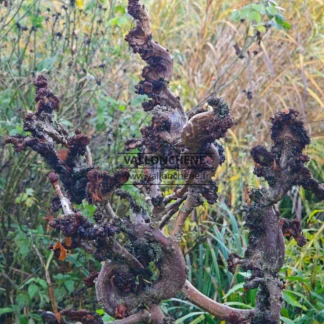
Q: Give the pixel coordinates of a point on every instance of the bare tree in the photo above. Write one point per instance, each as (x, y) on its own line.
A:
(124, 286)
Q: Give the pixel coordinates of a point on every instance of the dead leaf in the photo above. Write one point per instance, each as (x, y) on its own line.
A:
(63, 251)
(68, 241)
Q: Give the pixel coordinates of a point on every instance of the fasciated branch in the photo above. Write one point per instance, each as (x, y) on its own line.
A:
(159, 70)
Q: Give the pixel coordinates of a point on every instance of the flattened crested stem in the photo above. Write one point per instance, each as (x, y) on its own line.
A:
(159, 69)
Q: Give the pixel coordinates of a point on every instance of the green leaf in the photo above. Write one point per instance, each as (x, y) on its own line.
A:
(23, 319)
(28, 282)
(5, 310)
(235, 15)
(46, 64)
(112, 22)
(261, 29)
(272, 11)
(118, 21)
(29, 191)
(90, 5)
(313, 213)
(234, 289)
(37, 21)
(42, 283)
(254, 16)
(21, 198)
(106, 318)
(18, 130)
(284, 312)
(40, 230)
(60, 293)
(286, 320)
(89, 210)
(274, 25)
(69, 285)
(22, 300)
(100, 311)
(123, 20)
(22, 243)
(32, 290)
(296, 278)
(182, 319)
(198, 319)
(302, 296)
(291, 300)
(281, 20)
(259, 8)
(60, 277)
(138, 100)
(66, 122)
(286, 25)
(122, 107)
(120, 9)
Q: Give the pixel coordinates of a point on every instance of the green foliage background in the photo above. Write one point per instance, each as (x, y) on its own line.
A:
(80, 46)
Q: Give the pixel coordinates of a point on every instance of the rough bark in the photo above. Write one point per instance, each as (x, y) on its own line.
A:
(282, 167)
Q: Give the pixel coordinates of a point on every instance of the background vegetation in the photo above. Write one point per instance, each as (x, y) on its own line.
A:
(80, 45)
